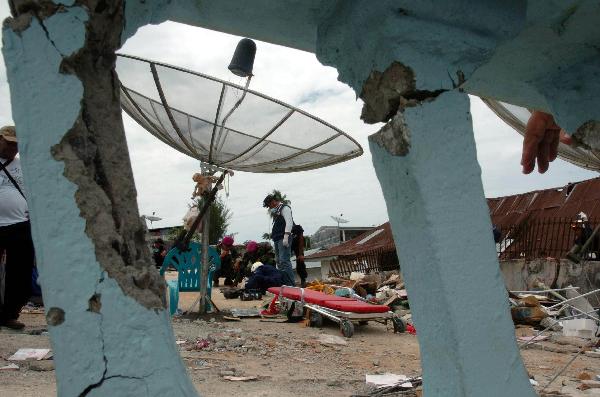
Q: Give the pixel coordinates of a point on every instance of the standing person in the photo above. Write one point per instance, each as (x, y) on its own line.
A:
(282, 229)
(15, 232)
(298, 250)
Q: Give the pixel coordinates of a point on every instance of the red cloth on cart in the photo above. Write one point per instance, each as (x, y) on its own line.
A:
(330, 301)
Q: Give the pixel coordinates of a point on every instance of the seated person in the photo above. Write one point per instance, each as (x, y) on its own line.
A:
(264, 277)
(228, 259)
(255, 252)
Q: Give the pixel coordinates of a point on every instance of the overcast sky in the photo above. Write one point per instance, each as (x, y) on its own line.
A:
(163, 175)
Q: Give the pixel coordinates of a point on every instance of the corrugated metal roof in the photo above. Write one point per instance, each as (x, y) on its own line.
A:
(560, 202)
(379, 238)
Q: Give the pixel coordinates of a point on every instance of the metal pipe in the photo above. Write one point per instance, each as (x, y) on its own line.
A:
(575, 298)
(205, 246)
(544, 291)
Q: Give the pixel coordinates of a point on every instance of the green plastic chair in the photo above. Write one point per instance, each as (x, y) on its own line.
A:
(189, 268)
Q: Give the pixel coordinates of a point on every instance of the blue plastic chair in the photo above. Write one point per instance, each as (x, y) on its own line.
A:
(189, 268)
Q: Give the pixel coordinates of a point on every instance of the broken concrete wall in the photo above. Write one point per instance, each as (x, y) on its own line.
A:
(105, 305)
(521, 52)
(522, 275)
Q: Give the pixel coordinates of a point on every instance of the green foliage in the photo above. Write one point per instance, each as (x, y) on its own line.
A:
(307, 242)
(220, 216)
(176, 231)
(266, 236)
(280, 197)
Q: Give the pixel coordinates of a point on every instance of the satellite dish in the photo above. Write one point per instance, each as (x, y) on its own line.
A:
(339, 220)
(227, 125)
(151, 218)
(517, 117)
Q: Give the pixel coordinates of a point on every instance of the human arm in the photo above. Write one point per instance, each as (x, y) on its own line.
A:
(286, 212)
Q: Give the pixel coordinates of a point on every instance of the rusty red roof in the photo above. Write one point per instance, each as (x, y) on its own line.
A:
(560, 202)
(378, 238)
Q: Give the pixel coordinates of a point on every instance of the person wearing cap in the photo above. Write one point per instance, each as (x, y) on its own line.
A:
(228, 258)
(15, 232)
(281, 236)
(582, 228)
(263, 277)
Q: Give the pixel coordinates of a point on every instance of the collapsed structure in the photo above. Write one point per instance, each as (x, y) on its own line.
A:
(412, 64)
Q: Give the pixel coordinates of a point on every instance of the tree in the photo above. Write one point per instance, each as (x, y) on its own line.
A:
(280, 197)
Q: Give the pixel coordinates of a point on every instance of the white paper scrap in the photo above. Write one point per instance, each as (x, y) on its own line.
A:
(385, 380)
(29, 354)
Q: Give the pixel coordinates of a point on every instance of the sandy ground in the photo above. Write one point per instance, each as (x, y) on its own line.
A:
(288, 359)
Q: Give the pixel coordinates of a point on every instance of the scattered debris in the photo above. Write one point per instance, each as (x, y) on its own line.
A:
(201, 344)
(584, 376)
(245, 313)
(533, 382)
(41, 366)
(326, 339)
(533, 338)
(10, 367)
(29, 354)
(593, 353)
(589, 384)
(387, 379)
(240, 378)
(527, 310)
(389, 384)
(581, 327)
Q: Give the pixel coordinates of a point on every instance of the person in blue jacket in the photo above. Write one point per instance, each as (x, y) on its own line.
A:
(264, 277)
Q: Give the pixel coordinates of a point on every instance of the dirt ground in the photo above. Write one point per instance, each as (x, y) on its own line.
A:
(287, 359)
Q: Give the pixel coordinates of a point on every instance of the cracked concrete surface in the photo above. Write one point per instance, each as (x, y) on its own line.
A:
(125, 345)
(394, 136)
(106, 306)
(96, 160)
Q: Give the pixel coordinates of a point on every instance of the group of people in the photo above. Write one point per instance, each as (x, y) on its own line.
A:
(262, 265)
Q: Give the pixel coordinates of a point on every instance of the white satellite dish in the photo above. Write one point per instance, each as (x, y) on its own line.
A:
(339, 220)
(227, 125)
(152, 218)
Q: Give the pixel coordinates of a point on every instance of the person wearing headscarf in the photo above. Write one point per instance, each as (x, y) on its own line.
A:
(228, 258)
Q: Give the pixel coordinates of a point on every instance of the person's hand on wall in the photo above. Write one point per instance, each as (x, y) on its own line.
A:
(542, 136)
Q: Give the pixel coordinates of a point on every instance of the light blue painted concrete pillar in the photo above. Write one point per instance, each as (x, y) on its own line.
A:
(441, 226)
(110, 338)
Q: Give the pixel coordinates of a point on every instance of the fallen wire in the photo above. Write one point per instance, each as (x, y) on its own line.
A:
(563, 369)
